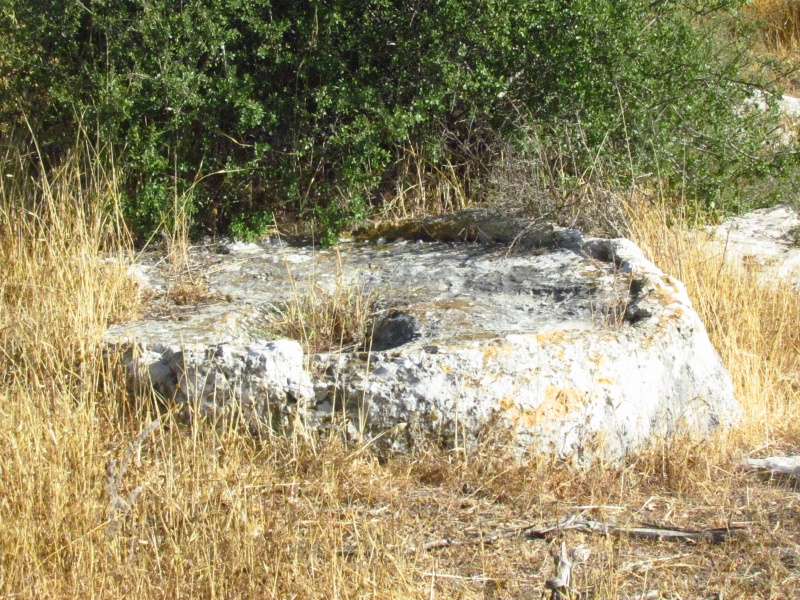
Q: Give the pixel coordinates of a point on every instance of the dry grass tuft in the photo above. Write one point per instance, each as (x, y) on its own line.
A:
(185, 285)
(188, 290)
(323, 316)
(62, 264)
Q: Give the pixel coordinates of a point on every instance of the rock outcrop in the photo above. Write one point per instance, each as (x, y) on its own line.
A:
(488, 328)
(767, 239)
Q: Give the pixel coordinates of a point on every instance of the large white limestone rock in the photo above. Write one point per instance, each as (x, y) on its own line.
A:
(490, 329)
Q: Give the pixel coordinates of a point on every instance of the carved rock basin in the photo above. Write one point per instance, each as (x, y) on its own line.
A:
(490, 328)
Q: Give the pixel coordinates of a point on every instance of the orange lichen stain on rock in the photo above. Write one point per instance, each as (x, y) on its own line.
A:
(678, 312)
(494, 351)
(558, 403)
(664, 294)
(597, 359)
(676, 287)
(604, 381)
(453, 342)
(452, 304)
(506, 404)
(517, 416)
(554, 336)
(563, 396)
(457, 312)
(667, 324)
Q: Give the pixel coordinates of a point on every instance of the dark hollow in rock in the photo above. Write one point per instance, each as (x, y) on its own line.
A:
(392, 331)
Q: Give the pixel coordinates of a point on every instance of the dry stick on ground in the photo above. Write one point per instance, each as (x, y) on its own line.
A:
(777, 465)
(574, 523)
(559, 585)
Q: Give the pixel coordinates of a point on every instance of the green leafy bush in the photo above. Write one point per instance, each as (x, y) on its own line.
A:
(248, 226)
(322, 106)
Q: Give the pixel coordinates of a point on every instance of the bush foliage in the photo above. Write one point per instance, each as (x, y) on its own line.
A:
(242, 107)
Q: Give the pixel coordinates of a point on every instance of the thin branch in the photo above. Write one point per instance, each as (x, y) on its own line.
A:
(574, 523)
(778, 465)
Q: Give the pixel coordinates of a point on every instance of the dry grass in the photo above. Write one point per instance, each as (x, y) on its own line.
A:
(555, 189)
(780, 23)
(100, 497)
(323, 317)
(422, 187)
(752, 323)
(185, 285)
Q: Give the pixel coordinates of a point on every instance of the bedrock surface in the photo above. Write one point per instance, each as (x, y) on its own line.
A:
(488, 328)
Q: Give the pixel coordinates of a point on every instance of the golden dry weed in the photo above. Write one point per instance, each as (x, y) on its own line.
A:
(336, 316)
(780, 23)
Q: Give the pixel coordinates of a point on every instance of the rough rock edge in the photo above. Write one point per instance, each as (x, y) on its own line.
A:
(261, 384)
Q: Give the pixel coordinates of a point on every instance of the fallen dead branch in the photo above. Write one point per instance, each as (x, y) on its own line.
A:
(778, 465)
(574, 523)
(498, 535)
(656, 532)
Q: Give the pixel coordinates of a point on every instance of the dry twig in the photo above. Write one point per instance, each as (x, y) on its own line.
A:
(560, 585)
(777, 465)
(575, 523)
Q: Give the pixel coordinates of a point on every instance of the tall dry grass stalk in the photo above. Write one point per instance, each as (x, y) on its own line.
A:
(780, 23)
(62, 280)
(422, 187)
(62, 261)
(324, 316)
(103, 498)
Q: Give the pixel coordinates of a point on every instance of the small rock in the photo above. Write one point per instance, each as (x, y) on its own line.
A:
(765, 239)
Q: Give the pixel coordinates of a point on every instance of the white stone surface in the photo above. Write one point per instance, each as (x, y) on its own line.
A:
(576, 390)
(790, 106)
(243, 247)
(785, 465)
(764, 239)
(536, 337)
(261, 382)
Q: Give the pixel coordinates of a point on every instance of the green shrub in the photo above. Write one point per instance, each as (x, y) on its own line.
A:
(249, 226)
(313, 105)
